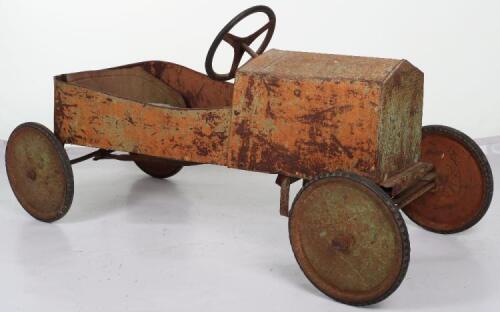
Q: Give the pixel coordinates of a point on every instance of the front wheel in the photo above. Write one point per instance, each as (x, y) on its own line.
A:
(349, 239)
(39, 172)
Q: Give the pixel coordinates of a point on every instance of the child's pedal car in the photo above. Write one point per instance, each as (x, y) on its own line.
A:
(349, 127)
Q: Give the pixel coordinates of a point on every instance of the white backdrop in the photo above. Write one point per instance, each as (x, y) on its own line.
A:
(455, 43)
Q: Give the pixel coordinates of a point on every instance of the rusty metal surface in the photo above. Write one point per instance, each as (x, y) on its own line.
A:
(159, 168)
(196, 88)
(399, 132)
(416, 191)
(464, 184)
(303, 65)
(303, 114)
(349, 239)
(97, 154)
(91, 118)
(284, 183)
(131, 83)
(284, 195)
(320, 121)
(403, 180)
(39, 172)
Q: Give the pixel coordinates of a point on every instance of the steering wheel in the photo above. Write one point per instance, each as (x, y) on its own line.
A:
(240, 45)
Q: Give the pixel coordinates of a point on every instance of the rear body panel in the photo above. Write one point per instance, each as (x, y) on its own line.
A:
(197, 133)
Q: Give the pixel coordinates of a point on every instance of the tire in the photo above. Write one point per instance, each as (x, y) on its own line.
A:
(39, 172)
(464, 185)
(349, 239)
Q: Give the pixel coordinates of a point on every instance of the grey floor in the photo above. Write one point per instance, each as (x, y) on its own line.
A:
(209, 239)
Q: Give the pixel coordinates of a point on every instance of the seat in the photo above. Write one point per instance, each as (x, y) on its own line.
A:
(132, 83)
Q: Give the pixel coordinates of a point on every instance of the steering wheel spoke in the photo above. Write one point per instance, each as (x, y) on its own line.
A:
(251, 38)
(249, 50)
(232, 40)
(238, 55)
(239, 44)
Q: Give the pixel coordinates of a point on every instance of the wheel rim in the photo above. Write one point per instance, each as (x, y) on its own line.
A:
(464, 184)
(349, 240)
(39, 172)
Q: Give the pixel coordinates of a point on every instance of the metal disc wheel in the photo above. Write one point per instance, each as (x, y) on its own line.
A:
(464, 184)
(157, 167)
(349, 239)
(39, 172)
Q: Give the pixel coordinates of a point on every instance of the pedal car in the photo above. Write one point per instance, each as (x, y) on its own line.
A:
(349, 127)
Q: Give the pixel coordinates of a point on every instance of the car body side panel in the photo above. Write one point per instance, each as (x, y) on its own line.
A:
(90, 118)
(304, 127)
(305, 114)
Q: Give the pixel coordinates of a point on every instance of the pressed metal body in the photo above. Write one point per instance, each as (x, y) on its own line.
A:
(303, 114)
(331, 112)
(198, 133)
(349, 127)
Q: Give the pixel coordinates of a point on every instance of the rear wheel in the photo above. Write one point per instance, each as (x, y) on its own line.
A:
(349, 238)
(157, 167)
(464, 185)
(39, 172)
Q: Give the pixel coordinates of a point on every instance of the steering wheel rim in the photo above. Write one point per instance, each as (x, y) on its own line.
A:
(239, 44)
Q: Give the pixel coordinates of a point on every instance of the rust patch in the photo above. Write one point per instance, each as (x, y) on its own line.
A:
(403, 180)
(308, 114)
(108, 122)
(302, 136)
